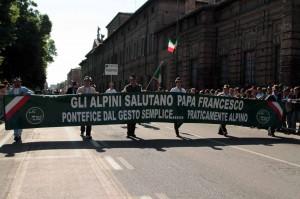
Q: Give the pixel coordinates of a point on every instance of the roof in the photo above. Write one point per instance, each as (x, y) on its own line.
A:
(140, 9)
(220, 4)
(119, 13)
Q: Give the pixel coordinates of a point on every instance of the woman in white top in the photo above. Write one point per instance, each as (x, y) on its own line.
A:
(86, 89)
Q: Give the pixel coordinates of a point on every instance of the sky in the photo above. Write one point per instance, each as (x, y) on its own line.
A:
(74, 28)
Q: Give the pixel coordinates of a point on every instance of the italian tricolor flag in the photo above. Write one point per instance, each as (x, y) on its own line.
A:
(172, 46)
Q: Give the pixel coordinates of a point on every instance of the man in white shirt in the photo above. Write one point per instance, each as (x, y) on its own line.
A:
(86, 89)
(178, 89)
(111, 88)
(225, 93)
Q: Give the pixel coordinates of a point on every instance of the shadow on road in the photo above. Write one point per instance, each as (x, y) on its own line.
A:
(157, 144)
(149, 126)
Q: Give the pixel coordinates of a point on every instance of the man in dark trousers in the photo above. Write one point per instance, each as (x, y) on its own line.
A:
(86, 89)
(275, 97)
(225, 93)
(177, 89)
(73, 88)
(132, 87)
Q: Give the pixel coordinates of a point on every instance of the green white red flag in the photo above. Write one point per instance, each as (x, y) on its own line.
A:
(172, 46)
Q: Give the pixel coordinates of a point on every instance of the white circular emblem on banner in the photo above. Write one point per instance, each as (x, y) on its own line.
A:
(35, 115)
(263, 116)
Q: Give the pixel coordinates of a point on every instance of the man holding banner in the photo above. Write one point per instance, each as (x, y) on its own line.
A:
(225, 93)
(132, 87)
(18, 89)
(86, 89)
(178, 89)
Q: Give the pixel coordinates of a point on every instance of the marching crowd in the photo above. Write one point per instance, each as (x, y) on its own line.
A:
(289, 96)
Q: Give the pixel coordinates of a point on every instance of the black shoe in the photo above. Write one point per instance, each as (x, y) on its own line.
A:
(18, 139)
(271, 132)
(225, 132)
(133, 135)
(220, 132)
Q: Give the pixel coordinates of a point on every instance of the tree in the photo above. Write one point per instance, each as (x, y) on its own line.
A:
(33, 47)
(9, 14)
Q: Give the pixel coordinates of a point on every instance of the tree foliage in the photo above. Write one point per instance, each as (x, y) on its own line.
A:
(27, 47)
(9, 14)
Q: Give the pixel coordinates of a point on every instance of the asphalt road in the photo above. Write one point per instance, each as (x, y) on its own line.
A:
(57, 163)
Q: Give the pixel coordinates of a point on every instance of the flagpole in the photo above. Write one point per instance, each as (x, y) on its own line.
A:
(159, 66)
(177, 40)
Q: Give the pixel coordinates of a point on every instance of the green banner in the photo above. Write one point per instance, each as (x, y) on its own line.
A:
(36, 111)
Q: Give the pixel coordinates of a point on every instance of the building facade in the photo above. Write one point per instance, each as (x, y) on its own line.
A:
(74, 75)
(237, 42)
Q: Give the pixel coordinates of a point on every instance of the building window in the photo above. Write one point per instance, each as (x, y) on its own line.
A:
(224, 70)
(143, 46)
(152, 10)
(195, 74)
(135, 49)
(249, 70)
(277, 63)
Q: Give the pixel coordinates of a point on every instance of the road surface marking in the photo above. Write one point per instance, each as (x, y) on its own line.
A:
(103, 163)
(113, 163)
(112, 188)
(145, 197)
(18, 179)
(6, 138)
(102, 144)
(125, 163)
(161, 196)
(244, 150)
(42, 157)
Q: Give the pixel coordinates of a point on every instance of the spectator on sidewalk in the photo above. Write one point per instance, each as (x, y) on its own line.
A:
(111, 88)
(296, 112)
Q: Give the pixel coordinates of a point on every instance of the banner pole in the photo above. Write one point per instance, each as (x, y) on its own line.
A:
(159, 66)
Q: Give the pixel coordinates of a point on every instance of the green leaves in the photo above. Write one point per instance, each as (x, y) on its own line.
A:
(26, 46)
